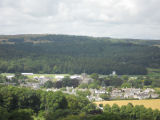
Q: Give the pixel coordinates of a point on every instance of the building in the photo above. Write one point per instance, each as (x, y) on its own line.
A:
(114, 73)
(117, 94)
(59, 77)
(9, 77)
(85, 79)
(75, 77)
(27, 73)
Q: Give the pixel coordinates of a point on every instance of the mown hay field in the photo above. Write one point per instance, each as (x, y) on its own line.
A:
(152, 103)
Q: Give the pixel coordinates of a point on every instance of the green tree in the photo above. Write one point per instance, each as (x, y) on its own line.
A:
(3, 114)
(115, 108)
(21, 114)
(93, 85)
(126, 85)
(83, 85)
(48, 84)
(83, 93)
(89, 108)
(107, 108)
(105, 96)
(94, 76)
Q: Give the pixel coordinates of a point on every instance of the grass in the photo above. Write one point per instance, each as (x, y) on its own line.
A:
(153, 72)
(7, 74)
(38, 118)
(46, 75)
(152, 103)
(38, 75)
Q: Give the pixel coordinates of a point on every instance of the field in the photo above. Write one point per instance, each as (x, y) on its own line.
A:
(38, 75)
(152, 103)
(153, 72)
(52, 76)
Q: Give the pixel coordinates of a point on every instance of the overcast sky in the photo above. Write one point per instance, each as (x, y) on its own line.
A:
(109, 18)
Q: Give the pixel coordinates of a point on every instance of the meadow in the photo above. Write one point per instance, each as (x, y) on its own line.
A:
(152, 103)
(153, 72)
(37, 75)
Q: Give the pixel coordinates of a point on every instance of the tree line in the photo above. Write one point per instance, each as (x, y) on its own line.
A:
(75, 54)
(23, 103)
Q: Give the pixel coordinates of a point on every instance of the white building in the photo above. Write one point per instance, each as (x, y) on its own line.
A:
(114, 73)
(27, 73)
(10, 77)
(59, 77)
(149, 90)
(100, 92)
(75, 77)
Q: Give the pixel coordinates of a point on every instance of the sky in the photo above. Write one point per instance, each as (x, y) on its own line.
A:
(100, 18)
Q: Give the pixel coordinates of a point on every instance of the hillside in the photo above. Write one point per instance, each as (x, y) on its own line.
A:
(77, 54)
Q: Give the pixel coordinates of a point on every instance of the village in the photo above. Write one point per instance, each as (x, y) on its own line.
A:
(125, 93)
(100, 94)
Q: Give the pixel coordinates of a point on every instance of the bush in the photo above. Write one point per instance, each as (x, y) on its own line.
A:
(21, 114)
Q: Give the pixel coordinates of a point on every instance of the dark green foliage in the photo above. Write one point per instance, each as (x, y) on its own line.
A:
(107, 108)
(48, 84)
(18, 78)
(3, 113)
(126, 85)
(94, 85)
(21, 114)
(83, 85)
(126, 112)
(94, 76)
(89, 108)
(83, 93)
(136, 83)
(60, 113)
(66, 82)
(115, 81)
(23, 103)
(100, 105)
(129, 112)
(147, 82)
(77, 104)
(3, 79)
(115, 108)
(104, 96)
(105, 116)
(14, 98)
(69, 82)
(75, 54)
(156, 83)
(55, 101)
(110, 81)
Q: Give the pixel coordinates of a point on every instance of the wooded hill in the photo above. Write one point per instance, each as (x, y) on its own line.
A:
(77, 54)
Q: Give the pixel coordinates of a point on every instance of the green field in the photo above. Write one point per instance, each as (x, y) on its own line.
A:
(38, 75)
(153, 72)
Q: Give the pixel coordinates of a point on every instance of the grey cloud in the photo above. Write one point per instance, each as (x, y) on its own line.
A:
(114, 18)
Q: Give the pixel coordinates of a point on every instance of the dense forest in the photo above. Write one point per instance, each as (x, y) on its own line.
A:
(26, 104)
(77, 54)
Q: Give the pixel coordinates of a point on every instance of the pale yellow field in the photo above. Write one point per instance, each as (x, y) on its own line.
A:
(153, 103)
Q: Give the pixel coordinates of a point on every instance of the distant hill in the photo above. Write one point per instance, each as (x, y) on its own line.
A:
(43, 53)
